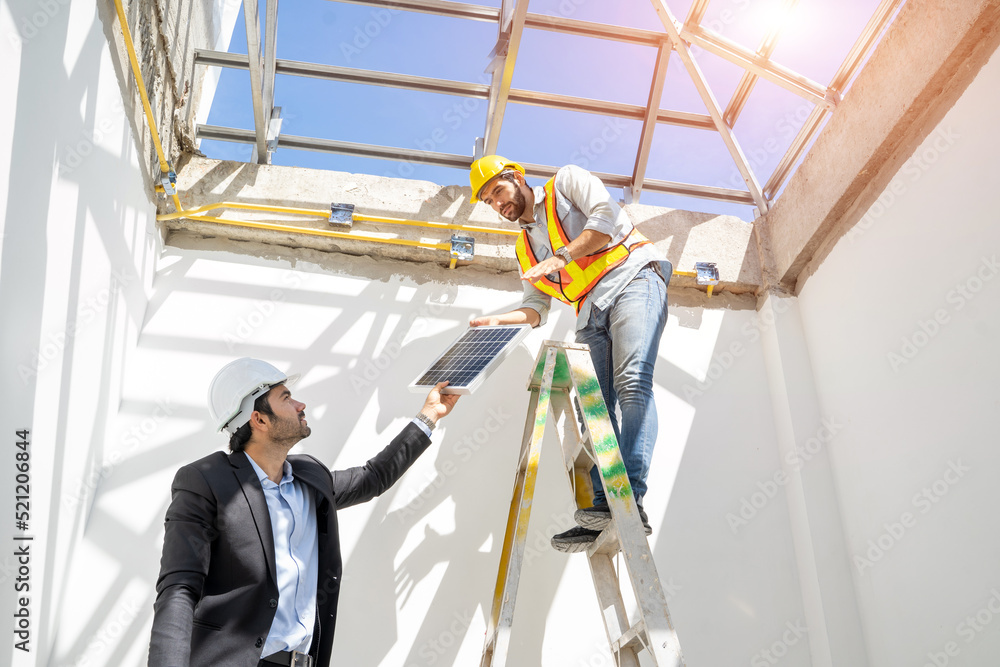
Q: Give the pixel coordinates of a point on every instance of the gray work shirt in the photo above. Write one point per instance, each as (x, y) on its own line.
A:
(582, 202)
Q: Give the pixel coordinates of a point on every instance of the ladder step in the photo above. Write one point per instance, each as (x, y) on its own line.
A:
(606, 543)
(634, 639)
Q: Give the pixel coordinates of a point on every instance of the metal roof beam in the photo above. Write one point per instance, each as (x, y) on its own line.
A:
(649, 122)
(866, 41)
(749, 79)
(847, 71)
(581, 104)
(260, 118)
(235, 135)
(270, 54)
(697, 12)
(597, 30)
(458, 88)
(791, 157)
(459, 10)
(532, 20)
(748, 60)
(462, 162)
(708, 98)
(503, 72)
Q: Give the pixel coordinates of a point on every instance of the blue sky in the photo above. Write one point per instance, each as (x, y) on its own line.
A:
(817, 38)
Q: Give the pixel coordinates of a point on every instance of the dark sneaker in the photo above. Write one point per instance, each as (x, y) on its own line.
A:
(574, 540)
(596, 518)
(599, 516)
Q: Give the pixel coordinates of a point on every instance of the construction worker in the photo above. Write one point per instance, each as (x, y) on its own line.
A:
(251, 566)
(578, 246)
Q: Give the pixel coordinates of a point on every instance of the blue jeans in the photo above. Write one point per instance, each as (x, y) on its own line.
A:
(624, 340)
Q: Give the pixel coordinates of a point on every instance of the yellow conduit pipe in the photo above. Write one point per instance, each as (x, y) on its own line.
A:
(320, 232)
(320, 213)
(694, 274)
(437, 225)
(192, 213)
(141, 84)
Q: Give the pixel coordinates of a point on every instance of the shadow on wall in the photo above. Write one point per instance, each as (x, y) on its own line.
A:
(74, 256)
(473, 467)
(375, 337)
(725, 546)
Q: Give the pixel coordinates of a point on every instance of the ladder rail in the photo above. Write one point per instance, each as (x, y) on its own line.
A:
(509, 573)
(663, 644)
(592, 442)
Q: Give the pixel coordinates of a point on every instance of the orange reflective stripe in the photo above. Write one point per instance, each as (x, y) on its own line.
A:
(580, 276)
(526, 259)
(550, 214)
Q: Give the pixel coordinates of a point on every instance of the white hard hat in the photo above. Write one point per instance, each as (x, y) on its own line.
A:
(235, 388)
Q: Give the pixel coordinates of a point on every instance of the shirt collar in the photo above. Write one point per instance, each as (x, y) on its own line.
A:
(286, 475)
(539, 192)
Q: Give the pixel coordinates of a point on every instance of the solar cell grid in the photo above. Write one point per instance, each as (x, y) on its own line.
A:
(471, 356)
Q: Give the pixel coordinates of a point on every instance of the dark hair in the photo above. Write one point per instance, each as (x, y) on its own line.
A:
(509, 175)
(240, 439)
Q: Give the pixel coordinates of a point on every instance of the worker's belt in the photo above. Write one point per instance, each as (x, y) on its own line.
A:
(289, 658)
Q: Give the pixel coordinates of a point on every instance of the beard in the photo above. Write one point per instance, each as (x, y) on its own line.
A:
(515, 207)
(290, 429)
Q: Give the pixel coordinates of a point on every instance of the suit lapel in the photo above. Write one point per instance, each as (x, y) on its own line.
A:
(254, 495)
(315, 478)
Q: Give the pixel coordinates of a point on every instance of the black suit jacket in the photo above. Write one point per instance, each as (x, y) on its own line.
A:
(216, 594)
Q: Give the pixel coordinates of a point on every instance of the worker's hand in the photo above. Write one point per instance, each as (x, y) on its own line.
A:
(543, 268)
(486, 321)
(438, 405)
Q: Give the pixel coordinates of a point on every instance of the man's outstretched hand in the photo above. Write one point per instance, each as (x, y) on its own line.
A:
(438, 405)
(544, 268)
(519, 316)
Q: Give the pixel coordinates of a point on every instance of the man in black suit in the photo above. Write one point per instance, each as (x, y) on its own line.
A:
(251, 566)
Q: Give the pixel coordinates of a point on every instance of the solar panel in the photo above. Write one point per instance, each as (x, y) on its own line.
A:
(471, 358)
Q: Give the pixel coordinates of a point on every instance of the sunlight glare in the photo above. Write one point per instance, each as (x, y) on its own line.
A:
(766, 15)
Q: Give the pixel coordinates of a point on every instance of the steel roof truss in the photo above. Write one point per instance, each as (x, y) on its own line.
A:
(649, 123)
(684, 52)
(252, 20)
(749, 79)
(865, 42)
(502, 76)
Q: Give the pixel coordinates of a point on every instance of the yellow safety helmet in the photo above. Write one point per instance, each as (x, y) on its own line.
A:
(485, 168)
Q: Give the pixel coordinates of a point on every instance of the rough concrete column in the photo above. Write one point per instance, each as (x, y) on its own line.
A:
(804, 435)
(165, 34)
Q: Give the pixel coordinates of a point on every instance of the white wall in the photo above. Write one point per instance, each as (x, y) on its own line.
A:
(420, 562)
(902, 321)
(78, 253)
(127, 336)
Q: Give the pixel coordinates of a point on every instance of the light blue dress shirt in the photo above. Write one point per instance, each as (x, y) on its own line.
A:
(292, 511)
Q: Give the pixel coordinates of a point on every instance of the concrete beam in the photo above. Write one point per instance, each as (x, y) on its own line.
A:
(685, 237)
(924, 63)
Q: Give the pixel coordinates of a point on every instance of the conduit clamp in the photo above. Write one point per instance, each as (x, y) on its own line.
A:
(463, 248)
(705, 273)
(342, 215)
(708, 274)
(168, 182)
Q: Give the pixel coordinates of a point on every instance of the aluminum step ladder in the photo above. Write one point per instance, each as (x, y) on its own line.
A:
(564, 372)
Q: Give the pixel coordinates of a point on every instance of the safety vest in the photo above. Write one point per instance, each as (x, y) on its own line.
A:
(580, 276)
